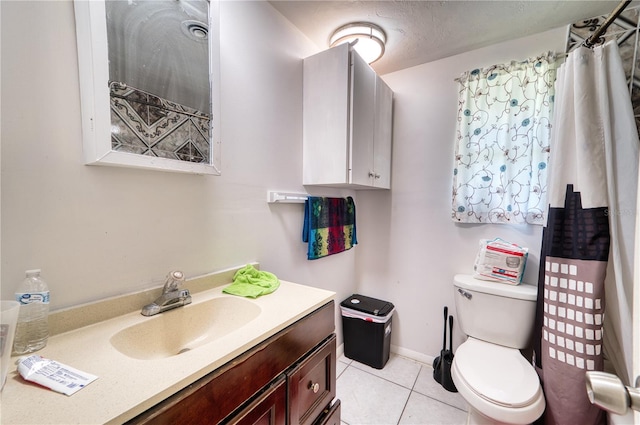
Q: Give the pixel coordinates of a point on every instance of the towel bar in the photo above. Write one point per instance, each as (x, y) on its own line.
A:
(286, 197)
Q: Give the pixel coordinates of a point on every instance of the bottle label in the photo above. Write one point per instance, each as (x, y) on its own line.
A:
(33, 297)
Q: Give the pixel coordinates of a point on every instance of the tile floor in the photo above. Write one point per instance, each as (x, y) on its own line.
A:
(403, 392)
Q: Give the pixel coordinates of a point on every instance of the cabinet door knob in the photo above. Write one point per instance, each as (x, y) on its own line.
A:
(377, 176)
(371, 174)
(314, 387)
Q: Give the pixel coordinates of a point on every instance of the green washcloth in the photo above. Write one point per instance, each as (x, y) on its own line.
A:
(250, 282)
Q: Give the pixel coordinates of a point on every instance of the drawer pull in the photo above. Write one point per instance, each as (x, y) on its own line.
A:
(314, 387)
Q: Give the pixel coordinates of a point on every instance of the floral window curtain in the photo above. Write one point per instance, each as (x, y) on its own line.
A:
(502, 145)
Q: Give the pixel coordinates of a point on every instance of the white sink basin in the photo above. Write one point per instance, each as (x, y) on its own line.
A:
(184, 328)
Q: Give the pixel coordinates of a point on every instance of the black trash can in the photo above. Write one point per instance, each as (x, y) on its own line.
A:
(366, 328)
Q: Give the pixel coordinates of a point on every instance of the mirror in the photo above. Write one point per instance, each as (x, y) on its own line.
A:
(149, 83)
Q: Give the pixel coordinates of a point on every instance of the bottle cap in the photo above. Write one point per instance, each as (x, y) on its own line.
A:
(34, 272)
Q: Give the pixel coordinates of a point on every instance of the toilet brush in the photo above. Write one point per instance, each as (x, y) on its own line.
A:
(437, 362)
(446, 360)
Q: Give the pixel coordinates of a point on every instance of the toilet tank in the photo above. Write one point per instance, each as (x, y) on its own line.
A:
(495, 312)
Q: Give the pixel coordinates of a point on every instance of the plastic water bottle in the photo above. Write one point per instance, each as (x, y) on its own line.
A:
(32, 329)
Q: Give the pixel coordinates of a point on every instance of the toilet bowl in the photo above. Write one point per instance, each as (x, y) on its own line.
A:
(497, 382)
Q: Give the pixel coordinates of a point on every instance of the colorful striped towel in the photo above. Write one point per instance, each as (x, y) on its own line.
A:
(329, 225)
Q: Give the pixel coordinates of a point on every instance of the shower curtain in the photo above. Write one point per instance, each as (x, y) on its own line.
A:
(586, 270)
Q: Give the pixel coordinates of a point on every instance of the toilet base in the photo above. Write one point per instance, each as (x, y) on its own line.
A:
(475, 417)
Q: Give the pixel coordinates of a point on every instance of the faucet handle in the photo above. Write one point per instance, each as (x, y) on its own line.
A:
(174, 280)
(177, 275)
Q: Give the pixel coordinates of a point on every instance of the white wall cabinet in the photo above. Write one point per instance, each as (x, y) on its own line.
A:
(347, 127)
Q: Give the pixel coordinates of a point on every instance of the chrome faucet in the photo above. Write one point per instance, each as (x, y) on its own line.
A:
(172, 296)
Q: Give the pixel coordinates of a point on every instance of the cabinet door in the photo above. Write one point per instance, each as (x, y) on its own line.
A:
(325, 111)
(383, 135)
(312, 385)
(363, 93)
(268, 409)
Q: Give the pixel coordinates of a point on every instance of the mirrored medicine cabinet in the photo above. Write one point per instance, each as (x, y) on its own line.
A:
(149, 83)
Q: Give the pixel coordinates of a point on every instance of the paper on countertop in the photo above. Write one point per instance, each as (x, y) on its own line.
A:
(53, 375)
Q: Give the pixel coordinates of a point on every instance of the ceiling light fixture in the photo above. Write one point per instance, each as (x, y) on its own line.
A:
(195, 30)
(369, 39)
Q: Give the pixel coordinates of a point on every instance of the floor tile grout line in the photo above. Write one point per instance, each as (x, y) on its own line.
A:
(411, 390)
(387, 380)
(404, 408)
(410, 394)
(439, 401)
(429, 396)
(343, 371)
(417, 376)
(384, 379)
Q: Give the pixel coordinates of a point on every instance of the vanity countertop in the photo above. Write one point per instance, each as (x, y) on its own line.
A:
(126, 386)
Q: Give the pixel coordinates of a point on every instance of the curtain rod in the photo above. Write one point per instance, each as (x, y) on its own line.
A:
(595, 37)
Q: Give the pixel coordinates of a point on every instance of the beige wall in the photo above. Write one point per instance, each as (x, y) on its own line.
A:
(100, 231)
(410, 247)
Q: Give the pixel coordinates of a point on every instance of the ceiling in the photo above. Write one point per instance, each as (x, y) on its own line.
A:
(423, 31)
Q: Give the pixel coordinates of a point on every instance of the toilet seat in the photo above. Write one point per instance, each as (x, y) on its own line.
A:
(498, 374)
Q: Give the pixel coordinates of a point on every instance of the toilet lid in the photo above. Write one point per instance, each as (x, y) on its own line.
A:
(498, 374)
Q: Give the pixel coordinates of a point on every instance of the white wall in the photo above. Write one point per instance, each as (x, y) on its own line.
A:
(410, 248)
(99, 231)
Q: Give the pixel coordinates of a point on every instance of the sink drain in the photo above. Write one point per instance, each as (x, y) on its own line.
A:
(184, 350)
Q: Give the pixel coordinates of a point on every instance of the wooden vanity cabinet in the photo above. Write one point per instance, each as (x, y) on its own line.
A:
(287, 379)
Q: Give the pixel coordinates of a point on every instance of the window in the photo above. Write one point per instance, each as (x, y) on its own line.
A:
(502, 142)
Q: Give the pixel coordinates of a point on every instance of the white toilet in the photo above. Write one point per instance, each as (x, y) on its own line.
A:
(497, 382)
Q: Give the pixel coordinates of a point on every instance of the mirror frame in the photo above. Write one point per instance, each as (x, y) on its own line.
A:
(93, 66)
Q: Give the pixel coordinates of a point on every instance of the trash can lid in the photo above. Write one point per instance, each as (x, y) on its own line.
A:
(368, 305)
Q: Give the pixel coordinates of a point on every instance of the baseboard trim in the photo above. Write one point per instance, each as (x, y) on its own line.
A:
(413, 355)
(401, 351)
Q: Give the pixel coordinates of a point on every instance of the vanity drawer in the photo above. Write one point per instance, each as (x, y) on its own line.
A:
(311, 384)
(331, 415)
(268, 409)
